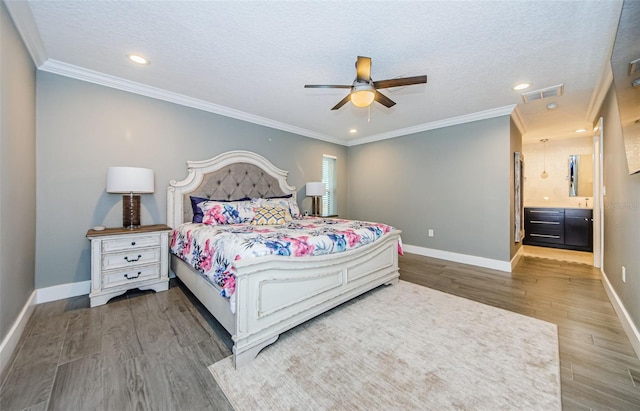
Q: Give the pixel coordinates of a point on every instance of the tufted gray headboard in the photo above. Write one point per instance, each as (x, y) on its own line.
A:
(229, 176)
(233, 182)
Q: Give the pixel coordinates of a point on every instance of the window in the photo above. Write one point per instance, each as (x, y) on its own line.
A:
(329, 177)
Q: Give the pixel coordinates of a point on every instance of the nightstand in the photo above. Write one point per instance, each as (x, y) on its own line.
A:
(123, 259)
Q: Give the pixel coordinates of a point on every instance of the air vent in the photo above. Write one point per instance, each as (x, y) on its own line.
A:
(554, 91)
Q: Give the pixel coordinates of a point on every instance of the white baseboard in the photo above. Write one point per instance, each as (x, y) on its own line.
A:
(459, 258)
(623, 315)
(10, 341)
(39, 296)
(62, 291)
(516, 258)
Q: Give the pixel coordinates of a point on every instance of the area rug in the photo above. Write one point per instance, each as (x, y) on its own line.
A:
(403, 347)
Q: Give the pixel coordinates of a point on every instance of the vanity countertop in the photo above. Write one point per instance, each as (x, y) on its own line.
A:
(556, 206)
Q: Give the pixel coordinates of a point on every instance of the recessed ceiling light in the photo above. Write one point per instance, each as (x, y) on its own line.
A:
(521, 86)
(581, 130)
(136, 58)
(552, 106)
(353, 131)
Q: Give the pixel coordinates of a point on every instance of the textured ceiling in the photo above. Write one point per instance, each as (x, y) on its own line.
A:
(251, 59)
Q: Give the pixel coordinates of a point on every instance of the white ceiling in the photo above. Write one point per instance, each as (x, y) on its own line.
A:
(251, 59)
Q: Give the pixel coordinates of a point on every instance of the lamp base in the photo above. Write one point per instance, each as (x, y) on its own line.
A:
(131, 211)
(316, 208)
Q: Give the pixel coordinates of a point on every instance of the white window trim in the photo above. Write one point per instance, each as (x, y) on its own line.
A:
(331, 188)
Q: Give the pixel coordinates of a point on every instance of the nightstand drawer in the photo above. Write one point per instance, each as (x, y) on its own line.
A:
(132, 275)
(131, 258)
(130, 242)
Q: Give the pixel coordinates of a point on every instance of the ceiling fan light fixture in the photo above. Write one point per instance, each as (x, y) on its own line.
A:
(364, 91)
(362, 98)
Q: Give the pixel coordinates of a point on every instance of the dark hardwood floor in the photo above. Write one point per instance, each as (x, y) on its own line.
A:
(150, 351)
(598, 368)
(141, 351)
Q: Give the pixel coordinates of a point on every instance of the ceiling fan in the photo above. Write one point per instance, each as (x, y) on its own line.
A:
(364, 90)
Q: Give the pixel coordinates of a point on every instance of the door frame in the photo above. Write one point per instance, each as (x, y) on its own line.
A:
(598, 195)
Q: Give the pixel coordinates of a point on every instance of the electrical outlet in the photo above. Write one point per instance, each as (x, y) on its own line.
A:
(624, 274)
(430, 233)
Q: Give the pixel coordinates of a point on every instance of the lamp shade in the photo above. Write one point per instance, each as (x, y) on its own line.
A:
(130, 180)
(362, 98)
(315, 189)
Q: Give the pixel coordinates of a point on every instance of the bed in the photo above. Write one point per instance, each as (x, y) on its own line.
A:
(272, 293)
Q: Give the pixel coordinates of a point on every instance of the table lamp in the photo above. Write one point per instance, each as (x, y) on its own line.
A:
(130, 181)
(315, 190)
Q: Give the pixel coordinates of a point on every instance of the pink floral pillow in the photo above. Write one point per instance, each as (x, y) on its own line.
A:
(215, 213)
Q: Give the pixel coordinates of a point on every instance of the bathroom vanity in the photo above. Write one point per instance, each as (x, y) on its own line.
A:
(568, 228)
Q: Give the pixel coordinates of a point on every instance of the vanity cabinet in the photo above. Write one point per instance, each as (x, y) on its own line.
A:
(578, 229)
(568, 228)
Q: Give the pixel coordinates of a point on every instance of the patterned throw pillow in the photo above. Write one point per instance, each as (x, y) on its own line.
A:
(246, 210)
(271, 216)
(286, 202)
(215, 212)
(198, 214)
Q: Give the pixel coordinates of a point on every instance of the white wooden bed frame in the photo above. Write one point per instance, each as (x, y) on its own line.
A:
(276, 293)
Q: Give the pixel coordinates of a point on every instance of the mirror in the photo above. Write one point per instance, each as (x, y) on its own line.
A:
(625, 66)
(581, 175)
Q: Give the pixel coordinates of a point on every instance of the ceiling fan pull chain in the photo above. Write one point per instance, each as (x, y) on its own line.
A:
(369, 116)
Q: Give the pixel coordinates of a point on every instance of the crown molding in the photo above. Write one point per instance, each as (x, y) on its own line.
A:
(26, 25)
(519, 122)
(600, 92)
(91, 76)
(453, 121)
(79, 73)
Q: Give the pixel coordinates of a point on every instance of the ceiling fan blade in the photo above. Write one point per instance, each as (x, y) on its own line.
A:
(384, 100)
(398, 82)
(342, 102)
(325, 86)
(363, 69)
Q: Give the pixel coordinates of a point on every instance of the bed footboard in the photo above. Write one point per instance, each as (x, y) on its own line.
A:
(274, 294)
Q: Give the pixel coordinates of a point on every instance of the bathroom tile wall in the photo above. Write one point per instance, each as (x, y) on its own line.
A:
(553, 191)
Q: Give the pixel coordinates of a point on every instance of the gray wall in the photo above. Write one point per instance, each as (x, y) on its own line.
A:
(454, 180)
(621, 213)
(83, 128)
(17, 173)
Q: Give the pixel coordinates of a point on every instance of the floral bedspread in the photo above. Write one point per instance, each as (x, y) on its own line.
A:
(212, 249)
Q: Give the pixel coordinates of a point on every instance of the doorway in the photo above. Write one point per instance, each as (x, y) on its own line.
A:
(551, 180)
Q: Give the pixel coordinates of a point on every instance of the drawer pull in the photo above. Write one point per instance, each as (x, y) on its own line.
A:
(132, 278)
(544, 211)
(544, 235)
(126, 258)
(133, 243)
(545, 222)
